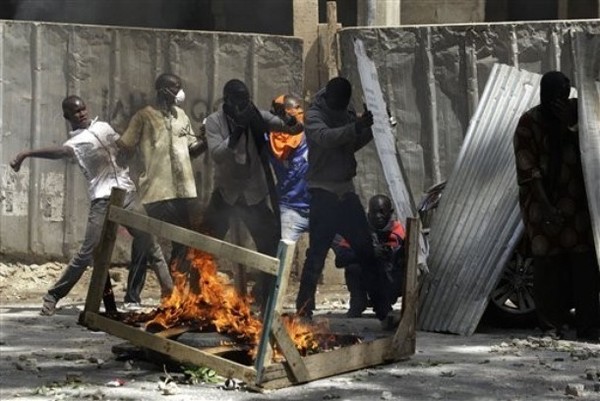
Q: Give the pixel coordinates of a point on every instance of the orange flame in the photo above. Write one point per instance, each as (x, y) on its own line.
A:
(212, 302)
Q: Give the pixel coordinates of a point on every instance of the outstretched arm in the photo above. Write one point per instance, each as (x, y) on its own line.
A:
(55, 153)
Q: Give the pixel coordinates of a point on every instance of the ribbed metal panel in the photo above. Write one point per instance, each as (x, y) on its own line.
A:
(587, 60)
(478, 217)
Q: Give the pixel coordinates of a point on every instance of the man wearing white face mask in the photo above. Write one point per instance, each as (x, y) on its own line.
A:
(166, 142)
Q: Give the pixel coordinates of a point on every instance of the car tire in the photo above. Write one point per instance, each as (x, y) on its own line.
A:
(512, 302)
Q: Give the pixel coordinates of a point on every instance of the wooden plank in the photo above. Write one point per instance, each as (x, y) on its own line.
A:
(103, 254)
(180, 352)
(286, 258)
(350, 358)
(220, 349)
(264, 354)
(173, 331)
(287, 346)
(404, 340)
(332, 45)
(235, 253)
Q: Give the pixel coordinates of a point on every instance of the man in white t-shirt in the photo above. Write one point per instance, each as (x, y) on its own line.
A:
(92, 144)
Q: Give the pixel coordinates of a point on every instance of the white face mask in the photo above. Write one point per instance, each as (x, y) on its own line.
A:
(180, 97)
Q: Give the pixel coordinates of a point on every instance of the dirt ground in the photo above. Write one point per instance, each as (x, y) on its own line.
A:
(53, 358)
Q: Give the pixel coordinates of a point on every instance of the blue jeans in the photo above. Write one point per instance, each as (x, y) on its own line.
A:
(293, 223)
(143, 249)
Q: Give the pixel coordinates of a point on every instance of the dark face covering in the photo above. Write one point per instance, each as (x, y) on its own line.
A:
(338, 93)
(237, 102)
(555, 86)
(336, 102)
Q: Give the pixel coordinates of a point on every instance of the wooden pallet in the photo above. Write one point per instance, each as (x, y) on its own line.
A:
(264, 374)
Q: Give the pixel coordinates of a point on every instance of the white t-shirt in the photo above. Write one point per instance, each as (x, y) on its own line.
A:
(96, 151)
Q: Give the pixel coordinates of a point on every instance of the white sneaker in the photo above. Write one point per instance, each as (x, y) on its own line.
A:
(131, 306)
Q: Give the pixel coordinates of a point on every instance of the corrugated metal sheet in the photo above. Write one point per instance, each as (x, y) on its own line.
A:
(433, 77)
(43, 208)
(478, 219)
(587, 60)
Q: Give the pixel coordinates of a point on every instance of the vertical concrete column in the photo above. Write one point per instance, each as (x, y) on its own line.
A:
(379, 12)
(306, 25)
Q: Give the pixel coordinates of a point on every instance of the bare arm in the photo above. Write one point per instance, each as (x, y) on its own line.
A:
(55, 153)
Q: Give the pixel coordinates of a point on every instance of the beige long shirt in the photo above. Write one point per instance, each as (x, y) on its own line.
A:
(163, 143)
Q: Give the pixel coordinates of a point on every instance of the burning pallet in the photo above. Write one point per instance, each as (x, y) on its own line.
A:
(280, 350)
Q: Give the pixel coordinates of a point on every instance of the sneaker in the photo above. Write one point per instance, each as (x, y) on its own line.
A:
(48, 308)
(132, 306)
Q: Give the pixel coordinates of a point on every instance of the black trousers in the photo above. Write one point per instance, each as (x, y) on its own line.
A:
(330, 215)
(261, 223)
(562, 282)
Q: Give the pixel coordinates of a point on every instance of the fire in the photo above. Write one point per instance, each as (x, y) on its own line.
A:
(202, 299)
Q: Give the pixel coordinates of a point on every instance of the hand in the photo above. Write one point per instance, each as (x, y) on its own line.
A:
(290, 121)
(15, 164)
(235, 135)
(364, 121)
(382, 252)
(564, 112)
(243, 116)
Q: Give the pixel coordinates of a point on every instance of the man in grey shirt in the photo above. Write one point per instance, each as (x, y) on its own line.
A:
(237, 144)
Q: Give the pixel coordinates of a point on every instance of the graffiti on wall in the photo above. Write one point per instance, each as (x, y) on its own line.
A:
(14, 188)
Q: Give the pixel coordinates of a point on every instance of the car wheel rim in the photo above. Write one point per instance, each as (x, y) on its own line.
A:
(514, 292)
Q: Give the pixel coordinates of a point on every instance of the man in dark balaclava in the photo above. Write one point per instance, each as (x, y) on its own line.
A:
(555, 212)
(334, 133)
(236, 143)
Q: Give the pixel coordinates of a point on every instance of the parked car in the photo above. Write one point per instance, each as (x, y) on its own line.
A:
(511, 302)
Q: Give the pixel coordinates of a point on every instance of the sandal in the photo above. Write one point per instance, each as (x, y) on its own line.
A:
(48, 308)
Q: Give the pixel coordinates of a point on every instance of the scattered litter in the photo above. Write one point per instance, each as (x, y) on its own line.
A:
(386, 395)
(74, 356)
(448, 373)
(592, 373)
(231, 384)
(73, 377)
(27, 364)
(168, 387)
(574, 390)
(115, 383)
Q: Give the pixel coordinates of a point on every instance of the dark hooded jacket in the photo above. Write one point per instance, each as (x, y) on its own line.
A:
(332, 141)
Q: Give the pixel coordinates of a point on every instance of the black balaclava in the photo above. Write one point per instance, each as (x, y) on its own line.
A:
(337, 93)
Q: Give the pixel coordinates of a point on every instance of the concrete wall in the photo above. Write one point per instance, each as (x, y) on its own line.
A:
(432, 77)
(43, 207)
